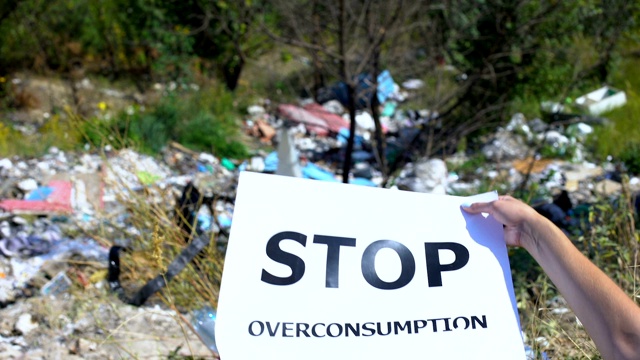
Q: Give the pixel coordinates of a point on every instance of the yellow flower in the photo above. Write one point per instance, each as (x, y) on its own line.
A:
(2, 79)
(102, 105)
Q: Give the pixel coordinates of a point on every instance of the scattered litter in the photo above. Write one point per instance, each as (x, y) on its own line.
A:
(204, 323)
(58, 285)
(25, 324)
(88, 193)
(601, 100)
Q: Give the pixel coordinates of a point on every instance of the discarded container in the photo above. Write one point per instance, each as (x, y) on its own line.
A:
(227, 164)
(56, 286)
(604, 99)
(288, 157)
(204, 323)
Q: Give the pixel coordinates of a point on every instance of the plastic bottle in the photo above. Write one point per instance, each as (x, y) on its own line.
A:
(204, 322)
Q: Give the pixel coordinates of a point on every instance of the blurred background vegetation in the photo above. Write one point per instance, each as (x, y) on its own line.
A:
(482, 60)
(198, 65)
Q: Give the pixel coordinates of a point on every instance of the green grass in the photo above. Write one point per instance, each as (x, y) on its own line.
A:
(58, 132)
(208, 120)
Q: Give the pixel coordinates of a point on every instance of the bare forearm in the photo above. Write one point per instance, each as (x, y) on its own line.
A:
(610, 317)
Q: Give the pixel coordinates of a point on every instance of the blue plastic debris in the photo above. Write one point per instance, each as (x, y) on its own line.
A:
(204, 222)
(363, 182)
(201, 167)
(39, 194)
(313, 171)
(385, 86)
(271, 162)
(224, 220)
(361, 156)
(343, 137)
(204, 323)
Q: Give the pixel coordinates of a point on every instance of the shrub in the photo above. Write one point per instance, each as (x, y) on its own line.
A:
(630, 156)
(210, 133)
(205, 121)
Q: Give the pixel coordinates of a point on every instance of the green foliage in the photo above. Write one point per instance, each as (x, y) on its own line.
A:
(149, 40)
(630, 156)
(217, 138)
(516, 56)
(144, 39)
(564, 151)
(469, 167)
(611, 239)
(57, 131)
(205, 121)
(152, 130)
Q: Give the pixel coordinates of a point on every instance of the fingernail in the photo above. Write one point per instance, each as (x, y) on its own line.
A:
(466, 205)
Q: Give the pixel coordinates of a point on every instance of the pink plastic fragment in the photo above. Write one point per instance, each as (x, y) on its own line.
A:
(334, 122)
(58, 202)
(311, 122)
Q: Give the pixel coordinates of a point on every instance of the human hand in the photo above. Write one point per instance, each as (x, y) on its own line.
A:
(516, 216)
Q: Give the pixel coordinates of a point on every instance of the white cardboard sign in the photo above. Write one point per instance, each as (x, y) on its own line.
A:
(318, 270)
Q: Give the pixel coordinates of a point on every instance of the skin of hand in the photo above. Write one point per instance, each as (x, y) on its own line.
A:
(514, 214)
(610, 317)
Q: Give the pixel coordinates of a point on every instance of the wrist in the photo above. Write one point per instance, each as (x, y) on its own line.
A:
(532, 232)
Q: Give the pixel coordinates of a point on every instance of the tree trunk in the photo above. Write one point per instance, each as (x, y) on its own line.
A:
(346, 166)
(232, 73)
(318, 76)
(375, 113)
(351, 93)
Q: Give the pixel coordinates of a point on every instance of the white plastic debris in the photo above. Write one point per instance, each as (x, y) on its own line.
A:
(208, 158)
(6, 164)
(256, 110)
(365, 122)
(25, 324)
(28, 185)
(413, 84)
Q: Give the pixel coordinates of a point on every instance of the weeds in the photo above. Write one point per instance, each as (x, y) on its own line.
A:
(158, 243)
(610, 239)
(205, 121)
(58, 131)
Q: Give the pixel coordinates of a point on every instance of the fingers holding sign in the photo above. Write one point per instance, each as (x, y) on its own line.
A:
(517, 217)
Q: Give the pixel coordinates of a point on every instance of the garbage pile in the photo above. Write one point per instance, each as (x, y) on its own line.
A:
(76, 193)
(61, 214)
(310, 141)
(79, 327)
(53, 207)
